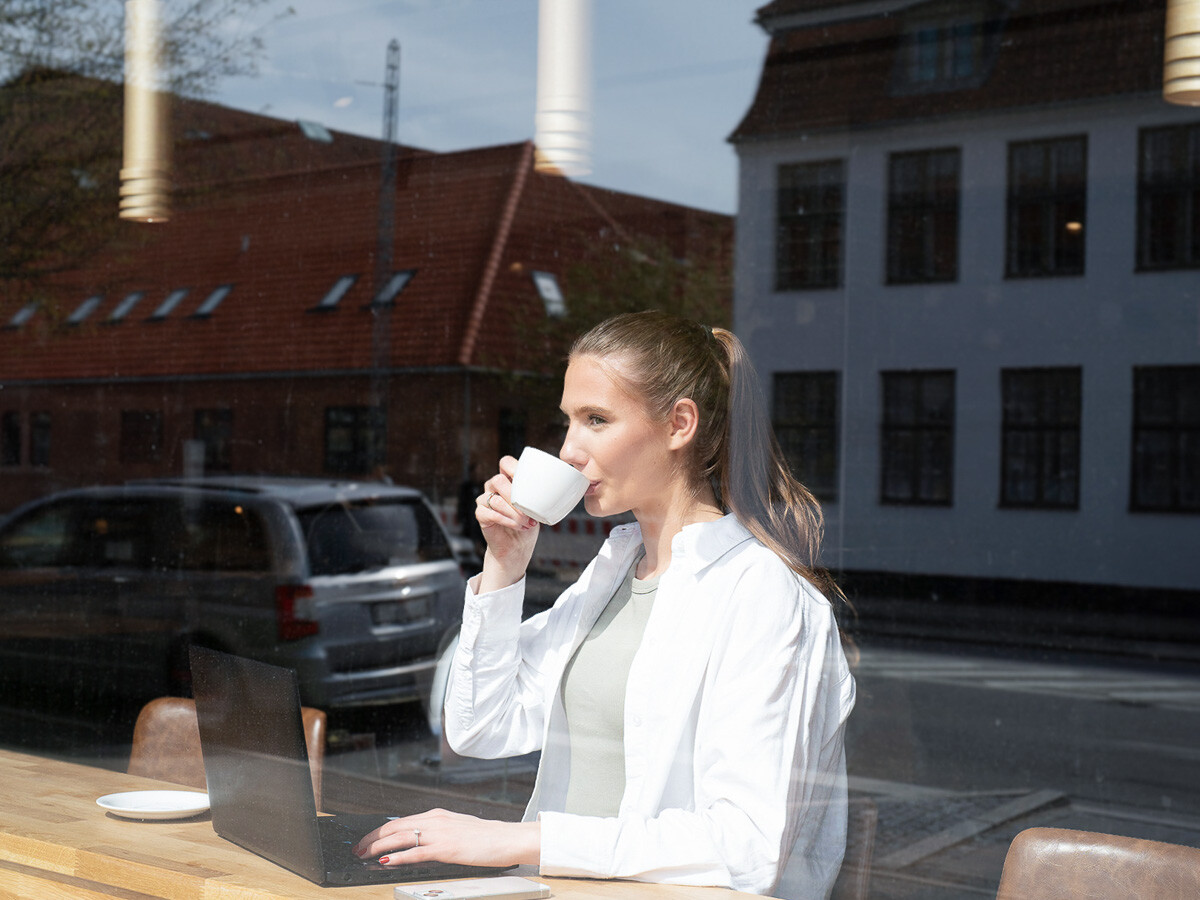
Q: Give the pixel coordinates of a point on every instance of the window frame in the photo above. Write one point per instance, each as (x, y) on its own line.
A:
(366, 427)
(1041, 430)
(891, 431)
(1179, 431)
(934, 209)
(1052, 204)
(1182, 185)
(141, 436)
(823, 259)
(817, 423)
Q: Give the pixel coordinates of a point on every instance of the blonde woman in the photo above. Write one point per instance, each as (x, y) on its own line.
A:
(689, 692)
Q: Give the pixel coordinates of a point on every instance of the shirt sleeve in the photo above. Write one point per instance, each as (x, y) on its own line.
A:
(767, 759)
(494, 697)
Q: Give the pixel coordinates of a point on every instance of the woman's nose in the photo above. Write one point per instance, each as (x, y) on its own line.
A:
(569, 453)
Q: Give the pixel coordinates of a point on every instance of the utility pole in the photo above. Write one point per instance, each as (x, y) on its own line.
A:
(381, 336)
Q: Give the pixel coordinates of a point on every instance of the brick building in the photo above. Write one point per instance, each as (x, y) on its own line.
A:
(263, 330)
(967, 265)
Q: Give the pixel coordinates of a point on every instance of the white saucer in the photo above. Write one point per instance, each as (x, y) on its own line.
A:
(155, 804)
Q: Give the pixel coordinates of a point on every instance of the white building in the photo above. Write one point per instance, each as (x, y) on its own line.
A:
(968, 270)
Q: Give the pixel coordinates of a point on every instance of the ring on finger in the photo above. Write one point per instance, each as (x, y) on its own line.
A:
(491, 497)
(417, 835)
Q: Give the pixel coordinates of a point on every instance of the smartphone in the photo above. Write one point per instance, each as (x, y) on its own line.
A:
(508, 887)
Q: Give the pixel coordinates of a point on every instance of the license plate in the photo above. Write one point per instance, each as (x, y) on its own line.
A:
(399, 612)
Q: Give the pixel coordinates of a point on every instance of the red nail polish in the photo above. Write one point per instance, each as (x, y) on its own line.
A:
(383, 860)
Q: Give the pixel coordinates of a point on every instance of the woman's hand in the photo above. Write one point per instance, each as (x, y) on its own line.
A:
(449, 837)
(510, 535)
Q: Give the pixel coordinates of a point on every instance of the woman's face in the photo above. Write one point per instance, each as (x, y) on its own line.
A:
(613, 441)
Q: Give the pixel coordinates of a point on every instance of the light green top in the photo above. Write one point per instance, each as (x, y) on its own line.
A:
(593, 694)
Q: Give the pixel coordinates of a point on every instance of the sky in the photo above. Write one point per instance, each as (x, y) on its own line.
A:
(670, 80)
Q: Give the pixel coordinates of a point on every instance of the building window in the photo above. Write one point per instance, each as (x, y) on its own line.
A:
(1040, 441)
(39, 439)
(212, 301)
(948, 46)
(1047, 207)
(214, 429)
(1169, 198)
(917, 438)
(23, 315)
(922, 241)
(141, 436)
(396, 282)
(125, 307)
(811, 203)
(553, 301)
(10, 439)
(168, 305)
(336, 293)
(355, 439)
(805, 412)
(85, 309)
(1166, 439)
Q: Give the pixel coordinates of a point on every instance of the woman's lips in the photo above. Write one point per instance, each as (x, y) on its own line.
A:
(591, 489)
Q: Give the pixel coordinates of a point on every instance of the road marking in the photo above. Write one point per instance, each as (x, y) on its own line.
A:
(1099, 683)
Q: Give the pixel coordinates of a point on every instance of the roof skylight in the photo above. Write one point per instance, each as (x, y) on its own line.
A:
(551, 294)
(212, 301)
(336, 293)
(84, 309)
(168, 306)
(23, 315)
(388, 293)
(125, 307)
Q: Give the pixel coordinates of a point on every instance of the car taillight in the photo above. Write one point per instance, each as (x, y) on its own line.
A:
(292, 628)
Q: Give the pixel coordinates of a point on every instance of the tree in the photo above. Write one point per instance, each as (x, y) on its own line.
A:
(61, 66)
(618, 276)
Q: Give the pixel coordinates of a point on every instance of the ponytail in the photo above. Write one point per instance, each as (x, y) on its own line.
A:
(754, 479)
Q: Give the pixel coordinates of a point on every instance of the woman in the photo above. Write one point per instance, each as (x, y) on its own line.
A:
(689, 691)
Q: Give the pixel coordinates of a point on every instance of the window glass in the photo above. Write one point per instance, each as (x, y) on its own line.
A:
(363, 537)
(38, 539)
(806, 424)
(923, 217)
(223, 537)
(958, 239)
(809, 227)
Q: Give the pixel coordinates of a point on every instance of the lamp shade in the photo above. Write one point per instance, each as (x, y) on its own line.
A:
(1181, 53)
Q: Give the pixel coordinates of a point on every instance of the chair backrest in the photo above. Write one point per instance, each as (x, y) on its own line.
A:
(1056, 863)
(166, 743)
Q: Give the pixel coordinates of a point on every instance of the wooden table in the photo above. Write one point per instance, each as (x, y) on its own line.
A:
(55, 842)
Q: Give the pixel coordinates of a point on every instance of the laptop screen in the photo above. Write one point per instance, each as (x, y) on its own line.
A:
(259, 783)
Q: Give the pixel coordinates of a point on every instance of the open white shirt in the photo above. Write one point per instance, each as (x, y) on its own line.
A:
(735, 712)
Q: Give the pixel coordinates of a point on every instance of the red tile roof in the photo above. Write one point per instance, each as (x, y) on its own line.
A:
(841, 74)
(281, 219)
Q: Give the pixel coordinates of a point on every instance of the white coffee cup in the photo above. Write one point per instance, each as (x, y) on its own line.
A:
(545, 488)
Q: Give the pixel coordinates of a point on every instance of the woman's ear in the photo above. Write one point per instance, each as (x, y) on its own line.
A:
(684, 422)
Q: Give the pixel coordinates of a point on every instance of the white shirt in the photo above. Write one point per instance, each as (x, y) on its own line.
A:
(735, 712)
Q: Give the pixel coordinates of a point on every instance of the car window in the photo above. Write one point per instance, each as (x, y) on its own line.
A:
(118, 533)
(223, 536)
(36, 540)
(359, 537)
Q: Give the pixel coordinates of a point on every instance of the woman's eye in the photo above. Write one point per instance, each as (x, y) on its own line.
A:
(595, 420)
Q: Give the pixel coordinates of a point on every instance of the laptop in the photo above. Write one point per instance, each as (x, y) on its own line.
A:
(259, 783)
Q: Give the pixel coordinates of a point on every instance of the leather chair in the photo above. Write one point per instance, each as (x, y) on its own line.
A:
(1059, 863)
(166, 743)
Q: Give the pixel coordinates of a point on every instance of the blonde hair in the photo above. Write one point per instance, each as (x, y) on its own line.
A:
(665, 358)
